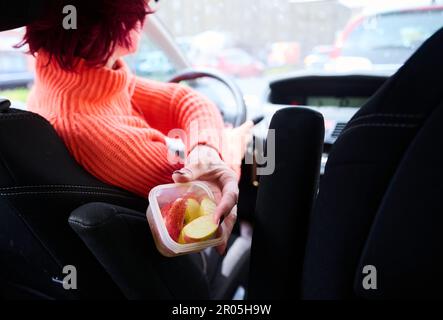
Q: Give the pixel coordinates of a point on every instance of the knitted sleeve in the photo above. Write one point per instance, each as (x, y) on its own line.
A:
(169, 107)
(122, 151)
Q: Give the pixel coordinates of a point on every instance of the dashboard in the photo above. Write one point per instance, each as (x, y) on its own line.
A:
(337, 97)
(342, 102)
(345, 91)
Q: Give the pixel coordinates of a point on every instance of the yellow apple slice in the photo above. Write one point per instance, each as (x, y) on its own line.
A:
(201, 229)
(192, 210)
(207, 207)
(181, 239)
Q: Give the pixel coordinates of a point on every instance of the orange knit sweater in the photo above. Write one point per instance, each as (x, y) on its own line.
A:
(115, 124)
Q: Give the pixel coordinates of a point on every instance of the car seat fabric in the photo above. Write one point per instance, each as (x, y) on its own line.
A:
(405, 243)
(360, 169)
(40, 185)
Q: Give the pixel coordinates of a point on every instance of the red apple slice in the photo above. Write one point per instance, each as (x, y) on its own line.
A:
(165, 209)
(175, 218)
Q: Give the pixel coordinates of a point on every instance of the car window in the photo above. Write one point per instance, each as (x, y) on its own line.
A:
(16, 68)
(238, 56)
(255, 41)
(12, 62)
(151, 62)
(267, 38)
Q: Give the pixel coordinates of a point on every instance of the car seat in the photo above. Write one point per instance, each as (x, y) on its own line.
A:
(378, 203)
(42, 187)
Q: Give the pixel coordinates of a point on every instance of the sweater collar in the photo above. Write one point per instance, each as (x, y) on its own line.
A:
(99, 85)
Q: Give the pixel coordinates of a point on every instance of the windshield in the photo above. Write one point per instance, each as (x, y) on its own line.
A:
(392, 37)
(261, 38)
(255, 41)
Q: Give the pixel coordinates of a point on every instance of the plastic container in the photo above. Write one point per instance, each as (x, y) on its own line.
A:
(167, 194)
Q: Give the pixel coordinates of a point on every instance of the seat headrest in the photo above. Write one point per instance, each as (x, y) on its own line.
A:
(5, 104)
(18, 13)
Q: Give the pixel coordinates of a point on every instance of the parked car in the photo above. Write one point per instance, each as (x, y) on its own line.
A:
(234, 62)
(318, 57)
(284, 54)
(384, 40)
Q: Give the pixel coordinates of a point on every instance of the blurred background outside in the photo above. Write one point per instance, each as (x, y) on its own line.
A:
(254, 41)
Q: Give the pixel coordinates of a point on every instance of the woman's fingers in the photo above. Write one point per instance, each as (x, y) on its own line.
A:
(230, 193)
(245, 131)
(191, 173)
(224, 177)
(247, 126)
(183, 176)
(227, 181)
(229, 226)
(205, 165)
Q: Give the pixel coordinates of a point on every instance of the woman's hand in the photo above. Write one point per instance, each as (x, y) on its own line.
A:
(235, 144)
(205, 164)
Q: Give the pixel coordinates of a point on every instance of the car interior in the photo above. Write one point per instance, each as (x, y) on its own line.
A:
(375, 203)
(376, 200)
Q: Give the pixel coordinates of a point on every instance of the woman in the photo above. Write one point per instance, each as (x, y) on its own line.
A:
(113, 123)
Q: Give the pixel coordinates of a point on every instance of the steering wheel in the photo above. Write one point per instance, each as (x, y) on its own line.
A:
(194, 74)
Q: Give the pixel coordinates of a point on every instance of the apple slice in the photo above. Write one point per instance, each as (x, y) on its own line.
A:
(207, 207)
(192, 210)
(175, 218)
(181, 239)
(201, 229)
(165, 210)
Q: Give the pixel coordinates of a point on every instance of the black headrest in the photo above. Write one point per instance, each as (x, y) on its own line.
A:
(18, 13)
(5, 104)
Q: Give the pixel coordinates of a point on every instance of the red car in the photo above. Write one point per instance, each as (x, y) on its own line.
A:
(234, 62)
(386, 38)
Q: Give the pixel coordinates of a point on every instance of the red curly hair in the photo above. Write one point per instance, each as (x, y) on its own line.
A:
(102, 25)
